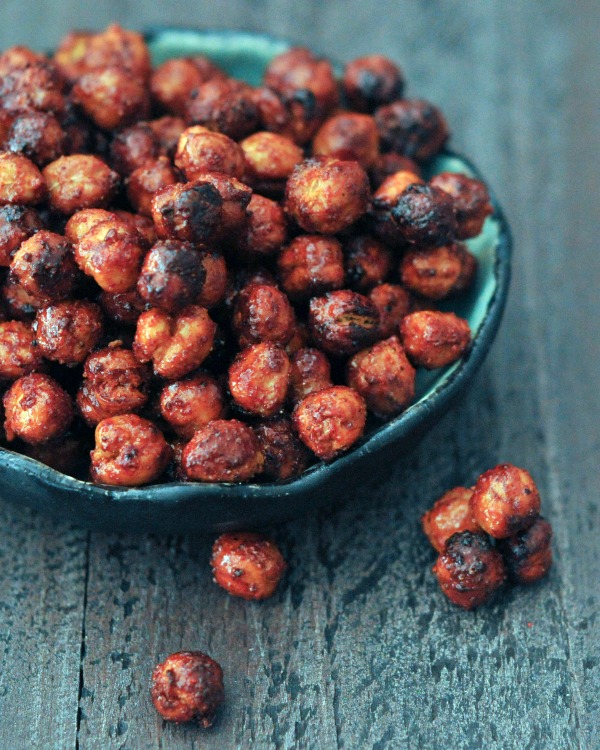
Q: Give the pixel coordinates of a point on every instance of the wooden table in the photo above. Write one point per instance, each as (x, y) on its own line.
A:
(359, 649)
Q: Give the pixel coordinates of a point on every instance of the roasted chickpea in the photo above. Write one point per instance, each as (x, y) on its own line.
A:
(17, 223)
(68, 331)
(223, 451)
(191, 212)
(19, 354)
(224, 105)
(300, 338)
(45, 267)
(528, 554)
(266, 231)
(311, 264)
(145, 181)
(368, 262)
(129, 451)
(469, 570)
(331, 420)
(294, 115)
(285, 455)
(383, 376)
(174, 80)
(505, 501)
(393, 302)
(388, 164)
(269, 161)
(326, 195)
(172, 275)
(310, 372)
(392, 188)
(37, 409)
(114, 382)
(83, 221)
(450, 514)
(372, 81)
(343, 322)
(176, 344)
(200, 150)
(21, 182)
(142, 226)
(124, 308)
(189, 405)
(38, 136)
(215, 281)
(247, 565)
(236, 198)
(437, 272)
(471, 202)
(19, 57)
(259, 378)
(262, 313)
(19, 304)
(79, 181)
(167, 130)
(36, 87)
(434, 339)
(412, 127)
(348, 136)
(133, 147)
(111, 97)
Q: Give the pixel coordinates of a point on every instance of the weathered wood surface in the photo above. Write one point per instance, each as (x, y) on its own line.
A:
(358, 649)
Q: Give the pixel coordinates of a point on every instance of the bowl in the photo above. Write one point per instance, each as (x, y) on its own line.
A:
(193, 507)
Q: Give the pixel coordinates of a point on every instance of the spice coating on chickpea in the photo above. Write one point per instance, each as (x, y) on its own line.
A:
(147, 180)
(393, 302)
(21, 182)
(191, 211)
(412, 127)
(471, 202)
(79, 181)
(343, 322)
(469, 570)
(133, 147)
(19, 304)
(437, 272)
(190, 404)
(68, 331)
(262, 313)
(434, 339)
(528, 554)
(38, 136)
(450, 514)
(270, 159)
(130, 451)
(171, 276)
(35, 87)
(45, 267)
(259, 378)
(372, 81)
(17, 224)
(111, 97)
(367, 261)
(310, 372)
(247, 565)
(19, 353)
(223, 451)
(188, 686)
(225, 105)
(81, 222)
(285, 455)
(348, 136)
(331, 420)
(37, 409)
(388, 164)
(505, 501)
(266, 231)
(311, 264)
(112, 254)
(200, 150)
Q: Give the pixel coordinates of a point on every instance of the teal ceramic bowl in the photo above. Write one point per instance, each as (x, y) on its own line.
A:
(194, 507)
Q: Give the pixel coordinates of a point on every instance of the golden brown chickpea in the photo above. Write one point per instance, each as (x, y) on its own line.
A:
(471, 202)
(528, 554)
(388, 164)
(124, 308)
(269, 161)
(226, 450)
(224, 105)
(343, 322)
(133, 148)
(189, 405)
(145, 181)
(505, 501)
(111, 98)
(412, 127)
(200, 150)
(21, 182)
(44, 266)
(19, 354)
(215, 282)
(262, 313)
(311, 264)
(310, 372)
(130, 451)
(368, 262)
(38, 136)
(348, 136)
(37, 409)
(142, 226)
(236, 198)
(17, 223)
(259, 378)
(285, 455)
(114, 382)
(69, 57)
(83, 221)
(393, 186)
(247, 565)
(167, 130)
(266, 231)
(19, 57)
(450, 514)
(68, 331)
(372, 81)
(383, 376)
(437, 272)
(393, 302)
(35, 87)
(173, 81)
(469, 570)
(175, 344)
(172, 275)
(191, 212)
(330, 421)
(19, 304)
(434, 339)
(79, 181)
(326, 195)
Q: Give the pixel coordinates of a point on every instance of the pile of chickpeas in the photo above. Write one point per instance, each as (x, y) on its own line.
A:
(207, 281)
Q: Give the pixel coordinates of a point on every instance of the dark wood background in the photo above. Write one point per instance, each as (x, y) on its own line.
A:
(359, 649)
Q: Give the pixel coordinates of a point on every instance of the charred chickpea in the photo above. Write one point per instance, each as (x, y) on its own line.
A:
(295, 115)
(19, 304)
(167, 130)
(412, 127)
(124, 308)
(133, 147)
(17, 224)
(310, 372)
(471, 202)
(437, 272)
(326, 195)
(45, 267)
(285, 455)
(259, 378)
(528, 554)
(266, 231)
(37, 409)
(38, 136)
(190, 212)
(262, 313)
(469, 570)
(236, 198)
(348, 135)
(171, 276)
(247, 565)
(226, 450)
(368, 262)
(173, 80)
(19, 353)
(450, 514)
(215, 280)
(111, 97)
(269, 161)
(114, 382)
(130, 451)
(330, 421)
(145, 181)
(68, 331)
(383, 376)
(434, 339)
(393, 302)
(372, 81)
(188, 686)
(311, 264)
(224, 105)
(200, 150)
(343, 322)
(388, 164)
(176, 344)
(505, 501)
(79, 181)
(21, 182)
(189, 405)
